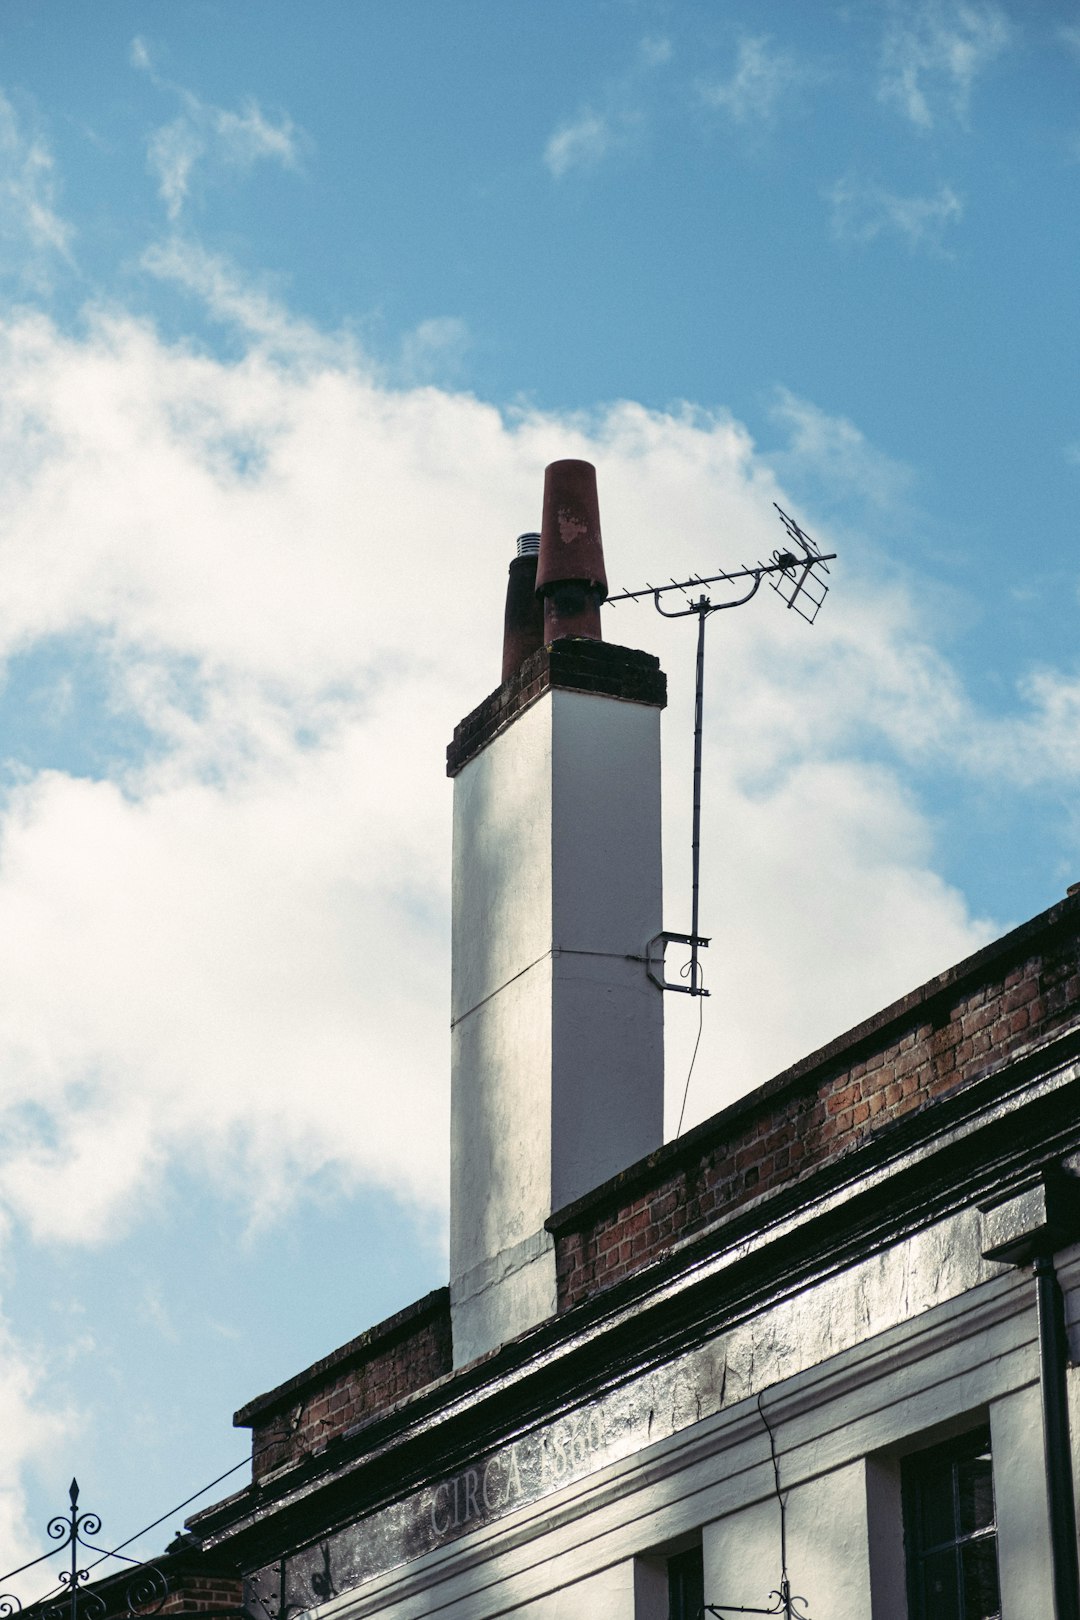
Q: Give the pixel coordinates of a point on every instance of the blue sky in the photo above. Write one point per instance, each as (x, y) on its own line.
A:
(297, 303)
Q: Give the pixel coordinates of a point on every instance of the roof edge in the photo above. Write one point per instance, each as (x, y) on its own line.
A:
(410, 1317)
(626, 1183)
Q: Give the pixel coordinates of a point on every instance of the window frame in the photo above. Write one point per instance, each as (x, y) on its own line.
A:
(918, 1470)
(686, 1583)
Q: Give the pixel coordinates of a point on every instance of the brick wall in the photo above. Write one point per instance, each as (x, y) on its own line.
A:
(216, 1590)
(203, 1594)
(575, 664)
(1018, 991)
(970, 1020)
(303, 1416)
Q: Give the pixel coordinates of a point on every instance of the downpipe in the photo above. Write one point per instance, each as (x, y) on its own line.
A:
(1053, 1365)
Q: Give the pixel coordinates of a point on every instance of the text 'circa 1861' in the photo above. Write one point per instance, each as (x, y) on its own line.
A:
(520, 1472)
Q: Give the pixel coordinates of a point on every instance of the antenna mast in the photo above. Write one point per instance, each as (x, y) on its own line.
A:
(797, 576)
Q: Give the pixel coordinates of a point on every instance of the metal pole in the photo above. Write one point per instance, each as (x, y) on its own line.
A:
(73, 1497)
(1053, 1360)
(695, 842)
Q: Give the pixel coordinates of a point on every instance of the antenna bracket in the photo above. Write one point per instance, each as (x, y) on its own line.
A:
(654, 962)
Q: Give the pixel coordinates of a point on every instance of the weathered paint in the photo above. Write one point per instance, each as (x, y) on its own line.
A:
(557, 1033)
(842, 1313)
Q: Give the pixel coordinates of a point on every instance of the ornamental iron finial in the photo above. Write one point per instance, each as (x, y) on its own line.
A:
(73, 1598)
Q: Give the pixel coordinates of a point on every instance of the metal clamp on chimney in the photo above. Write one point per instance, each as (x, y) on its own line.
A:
(655, 964)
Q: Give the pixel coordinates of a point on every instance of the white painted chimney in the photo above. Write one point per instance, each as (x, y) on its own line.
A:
(557, 1032)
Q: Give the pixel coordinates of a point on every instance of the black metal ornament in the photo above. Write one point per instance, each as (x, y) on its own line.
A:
(144, 1594)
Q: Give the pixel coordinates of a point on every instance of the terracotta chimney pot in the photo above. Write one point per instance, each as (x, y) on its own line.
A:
(571, 576)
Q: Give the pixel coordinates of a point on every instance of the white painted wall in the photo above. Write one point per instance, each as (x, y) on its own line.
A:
(885, 1539)
(841, 1423)
(827, 1547)
(631, 1590)
(557, 1034)
(650, 1589)
(1016, 1443)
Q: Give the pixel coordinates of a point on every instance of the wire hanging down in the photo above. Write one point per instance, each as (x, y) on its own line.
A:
(785, 1605)
(798, 577)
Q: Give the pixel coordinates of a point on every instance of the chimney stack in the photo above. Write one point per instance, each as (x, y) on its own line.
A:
(556, 1029)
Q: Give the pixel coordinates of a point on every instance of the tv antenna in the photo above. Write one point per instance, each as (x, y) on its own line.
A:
(796, 574)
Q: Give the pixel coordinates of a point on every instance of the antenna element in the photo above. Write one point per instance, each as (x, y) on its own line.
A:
(797, 576)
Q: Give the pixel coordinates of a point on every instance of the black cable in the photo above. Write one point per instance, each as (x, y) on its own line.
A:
(255, 1452)
(700, 1024)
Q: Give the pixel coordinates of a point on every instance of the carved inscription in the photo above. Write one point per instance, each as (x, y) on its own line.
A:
(659, 1402)
(520, 1472)
(526, 1470)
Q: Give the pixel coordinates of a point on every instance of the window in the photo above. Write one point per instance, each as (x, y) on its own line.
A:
(950, 1531)
(686, 1585)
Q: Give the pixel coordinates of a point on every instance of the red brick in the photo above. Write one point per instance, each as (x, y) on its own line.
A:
(1019, 995)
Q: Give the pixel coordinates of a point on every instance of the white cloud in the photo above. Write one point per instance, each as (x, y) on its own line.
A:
(234, 951)
(596, 130)
(1042, 745)
(231, 952)
(33, 235)
(34, 1420)
(837, 451)
(655, 51)
(204, 132)
(235, 300)
(434, 350)
(248, 135)
(762, 77)
(172, 154)
(581, 143)
(825, 855)
(933, 53)
(863, 210)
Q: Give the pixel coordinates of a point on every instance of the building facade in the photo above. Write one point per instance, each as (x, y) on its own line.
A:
(813, 1357)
